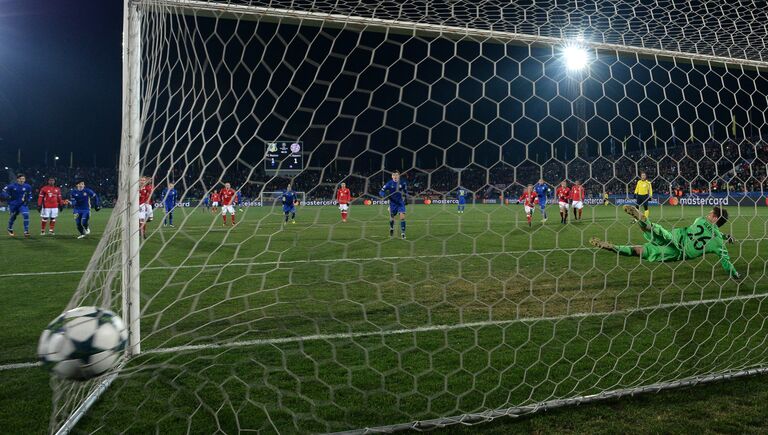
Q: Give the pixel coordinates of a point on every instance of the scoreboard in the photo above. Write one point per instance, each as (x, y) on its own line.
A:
(283, 156)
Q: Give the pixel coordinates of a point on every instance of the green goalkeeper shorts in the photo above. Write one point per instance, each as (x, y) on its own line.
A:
(661, 253)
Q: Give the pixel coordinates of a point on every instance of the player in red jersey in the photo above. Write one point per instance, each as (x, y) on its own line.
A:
(577, 199)
(563, 194)
(343, 197)
(215, 199)
(228, 197)
(529, 200)
(145, 205)
(48, 202)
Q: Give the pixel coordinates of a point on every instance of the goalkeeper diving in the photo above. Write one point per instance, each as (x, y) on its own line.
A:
(703, 236)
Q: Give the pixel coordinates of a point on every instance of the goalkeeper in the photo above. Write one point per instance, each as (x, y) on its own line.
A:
(701, 237)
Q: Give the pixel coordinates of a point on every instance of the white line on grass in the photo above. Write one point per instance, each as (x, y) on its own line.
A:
(20, 365)
(433, 328)
(327, 260)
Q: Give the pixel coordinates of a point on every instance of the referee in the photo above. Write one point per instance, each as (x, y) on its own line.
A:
(643, 193)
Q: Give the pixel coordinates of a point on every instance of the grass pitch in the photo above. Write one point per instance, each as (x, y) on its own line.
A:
(321, 326)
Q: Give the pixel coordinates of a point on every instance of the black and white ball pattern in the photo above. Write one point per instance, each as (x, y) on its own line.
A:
(82, 343)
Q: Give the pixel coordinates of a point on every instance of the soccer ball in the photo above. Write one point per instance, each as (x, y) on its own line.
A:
(82, 343)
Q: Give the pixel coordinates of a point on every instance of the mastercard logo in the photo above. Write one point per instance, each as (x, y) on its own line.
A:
(673, 201)
(427, 201)
(367, 202)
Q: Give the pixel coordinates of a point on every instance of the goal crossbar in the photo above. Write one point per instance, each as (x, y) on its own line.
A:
(353, 22)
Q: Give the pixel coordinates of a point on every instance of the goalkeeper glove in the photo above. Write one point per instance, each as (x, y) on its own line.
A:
(728, 238)
(736, 275)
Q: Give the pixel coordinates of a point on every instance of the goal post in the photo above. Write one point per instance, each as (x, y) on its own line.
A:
(331, 325)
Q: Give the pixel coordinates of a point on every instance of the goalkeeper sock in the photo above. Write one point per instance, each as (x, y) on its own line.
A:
(625, 250)
(402, 227)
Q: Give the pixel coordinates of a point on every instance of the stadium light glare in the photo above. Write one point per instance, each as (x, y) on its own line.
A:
(55, 157)
(575, 57)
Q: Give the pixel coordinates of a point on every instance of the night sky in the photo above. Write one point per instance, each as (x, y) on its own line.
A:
(60, 81)
(61, 85)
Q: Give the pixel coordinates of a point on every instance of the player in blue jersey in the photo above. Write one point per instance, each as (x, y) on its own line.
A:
(461, 194)
(170, 197)
(81, 199)
(396, 191)
(18, 195)
(289, 204)
(541, 189)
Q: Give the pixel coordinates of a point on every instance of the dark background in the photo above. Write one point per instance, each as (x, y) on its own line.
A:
(60, 81)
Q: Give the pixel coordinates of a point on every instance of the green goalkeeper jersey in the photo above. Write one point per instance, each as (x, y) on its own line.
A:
(703, 237)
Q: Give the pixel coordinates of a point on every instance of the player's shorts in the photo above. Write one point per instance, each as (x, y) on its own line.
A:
(462, 201)
(577, 204)
(145, 210)
(563, 204)
(227, 209)
(344, 207)
(396, 208)
(214, 204)
(289, 209)
(49, 213)
(642, 200)
(84, 214)
(528, 209)
(661, 253)
(18, 208)
(169, 207)
(542, 202)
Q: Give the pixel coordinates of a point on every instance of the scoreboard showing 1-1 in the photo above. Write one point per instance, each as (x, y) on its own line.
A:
(283, 156)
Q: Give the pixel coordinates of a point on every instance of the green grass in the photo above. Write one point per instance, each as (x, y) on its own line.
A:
(349, 328)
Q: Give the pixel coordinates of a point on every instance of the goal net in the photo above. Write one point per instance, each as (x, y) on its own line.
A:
(326, 325)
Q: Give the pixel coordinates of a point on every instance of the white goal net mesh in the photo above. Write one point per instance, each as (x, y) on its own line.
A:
(324, 325)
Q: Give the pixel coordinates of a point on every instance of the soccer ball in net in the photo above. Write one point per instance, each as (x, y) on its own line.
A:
(82, 343)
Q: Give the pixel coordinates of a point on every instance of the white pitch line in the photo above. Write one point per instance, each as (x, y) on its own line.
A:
(20, 365)
(433, 328)
(329, 260)
(285, 262)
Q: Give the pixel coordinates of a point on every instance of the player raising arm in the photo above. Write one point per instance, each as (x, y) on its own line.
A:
(701, 237)
(289, 204)
(541, 188)
(577, 200)
(563, 194)
(228, 198)
(48, 202)
(81, 198)
(529, 200)
(396, 191)
(170, 197)
(343, 197)
(18, 195)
